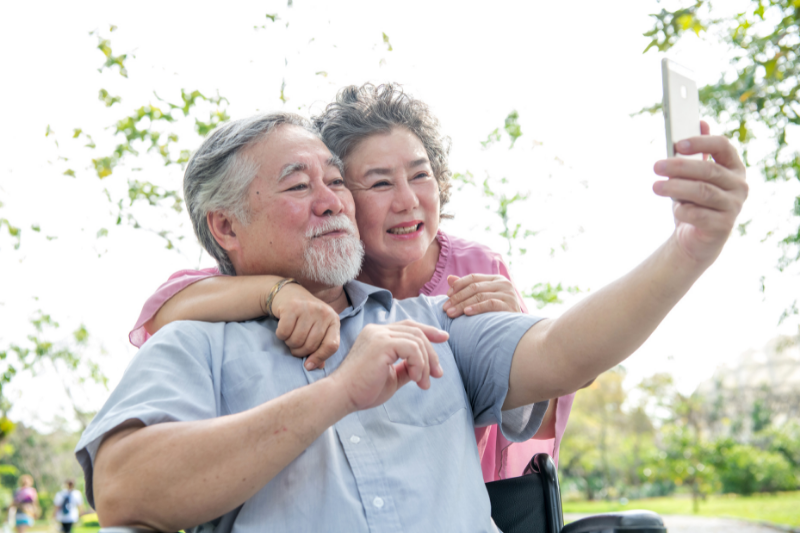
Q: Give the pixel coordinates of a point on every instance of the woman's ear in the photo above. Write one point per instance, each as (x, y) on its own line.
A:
(221, 227)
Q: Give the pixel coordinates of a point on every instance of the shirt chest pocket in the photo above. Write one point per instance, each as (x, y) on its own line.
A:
(259, 377)
(416, 407)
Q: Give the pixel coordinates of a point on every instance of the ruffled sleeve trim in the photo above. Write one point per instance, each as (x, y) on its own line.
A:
(176, 283)
(441, 265)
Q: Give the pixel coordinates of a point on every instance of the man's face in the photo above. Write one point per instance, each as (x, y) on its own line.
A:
(302, 220)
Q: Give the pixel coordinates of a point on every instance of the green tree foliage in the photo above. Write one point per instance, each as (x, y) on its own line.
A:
(500, 200)
(761, 414)
(694, 453)
(13, 231)
(746, 469)
(47, 348)
(547, 293)
(761, 93)
(652, 440)
(684, 459)
(603, 450)
(152, 130)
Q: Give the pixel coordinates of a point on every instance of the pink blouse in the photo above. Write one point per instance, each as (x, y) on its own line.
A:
(500, 458)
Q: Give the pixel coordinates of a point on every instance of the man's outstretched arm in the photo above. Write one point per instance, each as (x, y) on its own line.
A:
(556, 357)
(174, 475)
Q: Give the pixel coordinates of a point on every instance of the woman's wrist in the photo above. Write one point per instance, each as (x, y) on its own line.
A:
(274, 292)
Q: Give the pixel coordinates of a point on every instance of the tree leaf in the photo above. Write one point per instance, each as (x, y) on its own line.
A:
(512, 127)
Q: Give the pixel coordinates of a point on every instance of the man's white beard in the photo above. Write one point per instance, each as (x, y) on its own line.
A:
(333, 261)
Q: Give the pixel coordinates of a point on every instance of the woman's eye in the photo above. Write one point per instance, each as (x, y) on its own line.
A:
(337, 182)
(421, 175)
(381, 184)
(299, 187)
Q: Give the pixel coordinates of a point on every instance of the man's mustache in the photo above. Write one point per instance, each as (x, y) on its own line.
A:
(334, 223)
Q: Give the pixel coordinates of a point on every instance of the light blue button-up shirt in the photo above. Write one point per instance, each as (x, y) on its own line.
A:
(410, 464)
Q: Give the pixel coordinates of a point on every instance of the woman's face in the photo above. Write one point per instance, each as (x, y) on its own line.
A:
(396, 197)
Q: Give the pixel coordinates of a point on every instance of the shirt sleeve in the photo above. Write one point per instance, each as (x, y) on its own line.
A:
(169, 380)
(484, 346)
(175, 284)
(59, 499)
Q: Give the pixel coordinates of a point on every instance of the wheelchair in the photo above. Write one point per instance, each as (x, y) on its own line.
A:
(532, 504)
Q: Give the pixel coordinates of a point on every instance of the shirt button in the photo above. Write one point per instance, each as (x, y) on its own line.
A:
(354, 439)
(378, 502)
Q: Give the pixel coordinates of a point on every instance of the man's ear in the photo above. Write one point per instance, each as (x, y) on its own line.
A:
(221, 227)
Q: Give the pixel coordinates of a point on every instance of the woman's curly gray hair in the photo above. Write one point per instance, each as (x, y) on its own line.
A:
(359, 112)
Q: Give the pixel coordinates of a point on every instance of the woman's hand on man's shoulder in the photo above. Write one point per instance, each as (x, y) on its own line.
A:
(480, 293)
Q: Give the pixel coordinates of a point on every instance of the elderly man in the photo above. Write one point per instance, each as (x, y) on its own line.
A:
(218, 422)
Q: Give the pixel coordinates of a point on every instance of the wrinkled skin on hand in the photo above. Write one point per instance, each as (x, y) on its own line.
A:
(371, 373)
(480, 293)
(707, 195)
(308, 326)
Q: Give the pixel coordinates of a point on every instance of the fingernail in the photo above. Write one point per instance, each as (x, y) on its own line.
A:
(660, 166)
(310, 365)
(683, 145)
(439, 368)
(468, 310)
(658, 186)
(451, 311)
(447, 305)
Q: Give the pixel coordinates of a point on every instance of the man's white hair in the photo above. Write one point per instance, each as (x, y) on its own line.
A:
(218, 175)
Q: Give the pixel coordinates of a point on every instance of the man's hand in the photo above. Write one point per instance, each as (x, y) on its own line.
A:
(371, 374)
(480, 293)
(307, 325)
(708, 195)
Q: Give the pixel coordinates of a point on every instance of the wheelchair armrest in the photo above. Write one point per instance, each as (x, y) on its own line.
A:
(625, 522)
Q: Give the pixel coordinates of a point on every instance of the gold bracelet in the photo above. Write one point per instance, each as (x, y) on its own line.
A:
(278, 286)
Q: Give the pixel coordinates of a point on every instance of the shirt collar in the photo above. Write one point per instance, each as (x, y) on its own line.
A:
(359, 292)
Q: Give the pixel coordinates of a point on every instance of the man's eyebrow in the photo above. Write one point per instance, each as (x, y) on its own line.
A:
(290, 169)
(334, 161)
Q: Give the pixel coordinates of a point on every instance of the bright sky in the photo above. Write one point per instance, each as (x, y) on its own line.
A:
(575, 73)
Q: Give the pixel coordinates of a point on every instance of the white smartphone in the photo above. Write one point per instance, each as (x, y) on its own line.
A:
(681, 105)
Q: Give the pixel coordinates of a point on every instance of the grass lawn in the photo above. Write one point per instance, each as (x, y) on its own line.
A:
(780, 508)
(47, 526)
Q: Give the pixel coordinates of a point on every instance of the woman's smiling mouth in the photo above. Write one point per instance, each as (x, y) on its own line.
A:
(405, 228)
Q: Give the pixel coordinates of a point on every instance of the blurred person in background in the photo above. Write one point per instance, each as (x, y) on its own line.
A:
(26, 504)
(67, 506)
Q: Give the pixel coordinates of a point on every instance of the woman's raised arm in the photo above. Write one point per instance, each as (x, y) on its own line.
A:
(308, 325)
(216, 299)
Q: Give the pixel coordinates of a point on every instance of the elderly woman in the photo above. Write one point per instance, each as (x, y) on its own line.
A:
(395, 163)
